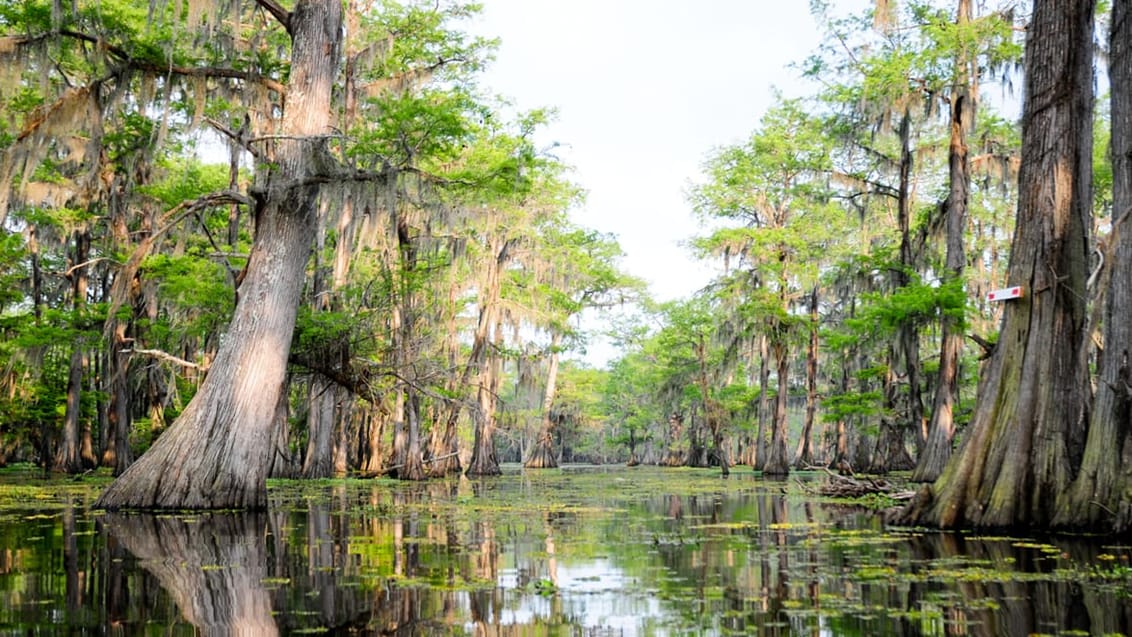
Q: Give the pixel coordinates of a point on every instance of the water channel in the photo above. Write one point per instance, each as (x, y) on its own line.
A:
(575, 551)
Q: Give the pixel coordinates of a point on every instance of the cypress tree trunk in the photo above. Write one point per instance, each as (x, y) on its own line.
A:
(444, 443)
(67, 458)
(542, 454)
(488, 363)
(764, 401)
(319, 459)
(891, 453)
(1024, 443)
(443, 456)
(217, 453)
(777, 463)
(715, 420)
(673, 457)
(804, 457)
(891, 450)
(374, 433)
(484, 461)
(1098, 499)
(907, 335)
(117, 453)
(941, 427)
(409, 459)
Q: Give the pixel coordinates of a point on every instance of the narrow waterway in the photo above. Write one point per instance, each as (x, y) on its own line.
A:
(577, 551)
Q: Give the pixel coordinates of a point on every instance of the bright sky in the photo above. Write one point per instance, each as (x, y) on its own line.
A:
(644, 90)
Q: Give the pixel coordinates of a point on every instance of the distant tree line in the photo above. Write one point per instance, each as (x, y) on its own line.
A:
(859, 234)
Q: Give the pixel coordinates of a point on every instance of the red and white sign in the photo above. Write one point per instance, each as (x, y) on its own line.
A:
(1005, 293)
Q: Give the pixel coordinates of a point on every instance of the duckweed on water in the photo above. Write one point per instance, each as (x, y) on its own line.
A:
(643, 551)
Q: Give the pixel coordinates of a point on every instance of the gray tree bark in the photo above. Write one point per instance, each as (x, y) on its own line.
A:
(217, 454)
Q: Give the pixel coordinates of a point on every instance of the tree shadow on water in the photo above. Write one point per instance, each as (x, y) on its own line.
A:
(211, 564)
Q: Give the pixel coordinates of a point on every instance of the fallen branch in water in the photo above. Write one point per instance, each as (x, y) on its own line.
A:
(395, 467)
(840, 486)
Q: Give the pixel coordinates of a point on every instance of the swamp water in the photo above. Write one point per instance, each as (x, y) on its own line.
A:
(593, 551)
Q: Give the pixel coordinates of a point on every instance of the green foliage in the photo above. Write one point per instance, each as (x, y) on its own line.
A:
(184, 181)
(850, 405)
(917, 303)
(12, 272)
(133, 133)
(326, 337)
(433, 125)
(197, 292)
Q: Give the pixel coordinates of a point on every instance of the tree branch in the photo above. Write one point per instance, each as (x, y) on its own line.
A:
(187, 71)
(165, 356)
(125, 276)
(240, 137)
(277, 11)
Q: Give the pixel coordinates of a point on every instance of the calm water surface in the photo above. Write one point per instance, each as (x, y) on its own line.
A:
(642, 551)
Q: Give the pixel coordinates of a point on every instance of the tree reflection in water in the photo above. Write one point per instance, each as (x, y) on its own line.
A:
(552, 553)
(212, 564)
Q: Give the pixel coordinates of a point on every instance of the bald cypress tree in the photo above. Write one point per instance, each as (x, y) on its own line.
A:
(1098, 499)
(1028, 430)
(216, 455)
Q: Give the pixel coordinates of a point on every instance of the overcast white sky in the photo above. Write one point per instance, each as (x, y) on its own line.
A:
(644, 90)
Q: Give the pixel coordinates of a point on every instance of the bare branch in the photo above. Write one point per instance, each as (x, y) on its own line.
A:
(165, 356)
(240, 137)
(71, 270)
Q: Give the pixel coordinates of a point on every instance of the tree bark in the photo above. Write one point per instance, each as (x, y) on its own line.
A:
(891, 450)
(964, 101)
(484, 461)
(805, 452)
(444, 443)
(1023, 446)
(117, 453)
(319, 459)
(764, 401)
(374, 428)
(407, 453)
(68, 458)
(714, 417)
(907, 335)
(777, 463)
(673, 457)
(905, 410)
(1098, 498)
(217, 454)
(542, 454)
